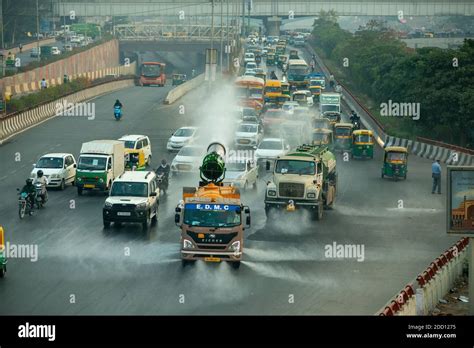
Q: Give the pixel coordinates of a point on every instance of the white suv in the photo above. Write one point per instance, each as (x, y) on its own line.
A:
(58, 168)
(134, 197)
(137, 142)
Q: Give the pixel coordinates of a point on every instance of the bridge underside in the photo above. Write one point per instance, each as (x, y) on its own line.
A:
(190, 8)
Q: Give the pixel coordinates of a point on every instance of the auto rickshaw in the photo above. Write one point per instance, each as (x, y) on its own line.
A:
(323, 136)
(178, 79)
(280, 50)
(343, 136)
(3, 258)
(135, 160)
(362, 144)
(270, 59)
(395, 162)
(285, 88)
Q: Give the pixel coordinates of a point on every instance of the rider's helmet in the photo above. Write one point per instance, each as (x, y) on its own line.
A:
(40, 173)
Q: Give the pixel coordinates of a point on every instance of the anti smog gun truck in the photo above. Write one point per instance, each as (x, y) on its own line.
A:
(303, 179)
(211, 217)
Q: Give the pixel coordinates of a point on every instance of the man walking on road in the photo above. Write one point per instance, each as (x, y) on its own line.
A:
(20, 46)
(436, 175)
(44, 85)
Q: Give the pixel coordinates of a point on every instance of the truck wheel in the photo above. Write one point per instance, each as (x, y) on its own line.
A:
(236, 264)
(332, 189)
(106, 224)
(154, 219)
(318, 213)
(63, 185)
(79, 191)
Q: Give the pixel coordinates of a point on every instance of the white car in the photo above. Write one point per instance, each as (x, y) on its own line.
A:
(182, 137)
(134, 197)
(242, 173)
(271, 148)
(251, 66)
(55, 51)
(137, 142)
(58, 168)
(249, 57)
(250, 72)
(68, 48)
(289, 106)
(188, 159)
(248, 135)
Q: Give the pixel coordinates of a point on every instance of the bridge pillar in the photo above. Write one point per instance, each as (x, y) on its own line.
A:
(273, 26)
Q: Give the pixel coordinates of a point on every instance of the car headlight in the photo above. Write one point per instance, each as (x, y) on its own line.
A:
(187, 244)
(78, 178)
(141, 205)
(101, 180)
(311, 195)
(235, 246)
(108, 204)
(272, 193)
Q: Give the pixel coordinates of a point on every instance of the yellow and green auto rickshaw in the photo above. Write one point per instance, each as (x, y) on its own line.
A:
(285, 88)
(270, 59)
(322, 136)
(3, 258)
(362, 144)
(178, 79)
(280, 50)
(135, 160)
(343, 137)
(395, 162)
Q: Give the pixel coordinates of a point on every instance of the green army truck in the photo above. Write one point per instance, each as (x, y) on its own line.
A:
(303, 179)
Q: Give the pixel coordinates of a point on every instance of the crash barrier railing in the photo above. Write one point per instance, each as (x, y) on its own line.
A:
(422, 295)
(12, 124)
(184, 88)
(423, 147)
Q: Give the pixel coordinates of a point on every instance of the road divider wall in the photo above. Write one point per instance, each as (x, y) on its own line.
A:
(426, 148)
(184, 88)
(421, 296)
(13, 124)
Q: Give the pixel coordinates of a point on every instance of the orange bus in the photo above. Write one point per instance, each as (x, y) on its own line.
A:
(152, 73)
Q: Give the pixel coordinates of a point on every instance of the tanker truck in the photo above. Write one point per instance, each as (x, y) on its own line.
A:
(211, 217)
(304, 179)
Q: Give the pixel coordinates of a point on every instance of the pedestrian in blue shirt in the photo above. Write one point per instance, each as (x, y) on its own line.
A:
(436, 175)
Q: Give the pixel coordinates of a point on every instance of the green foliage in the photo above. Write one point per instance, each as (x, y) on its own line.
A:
(383, 68)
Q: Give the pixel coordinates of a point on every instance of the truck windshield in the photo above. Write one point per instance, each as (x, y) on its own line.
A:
(135, 189)
(331, 108)
(91, 163)
(151, 70)
(295, 167)
(212, 215)
(50, 162)
(300, 70)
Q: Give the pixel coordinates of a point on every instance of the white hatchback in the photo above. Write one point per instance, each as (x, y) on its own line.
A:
(58, 168)
(182, 137)
(242, 174)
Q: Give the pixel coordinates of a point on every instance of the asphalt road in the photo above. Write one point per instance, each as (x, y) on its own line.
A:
(81, 269)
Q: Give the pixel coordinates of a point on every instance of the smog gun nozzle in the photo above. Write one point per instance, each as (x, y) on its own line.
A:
(212, 169)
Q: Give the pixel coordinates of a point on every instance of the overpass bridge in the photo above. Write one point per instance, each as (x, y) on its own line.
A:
(263, 8)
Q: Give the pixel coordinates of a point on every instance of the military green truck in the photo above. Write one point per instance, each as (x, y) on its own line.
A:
(303, 179)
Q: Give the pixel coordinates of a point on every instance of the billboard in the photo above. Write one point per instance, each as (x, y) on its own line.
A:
(460, 200)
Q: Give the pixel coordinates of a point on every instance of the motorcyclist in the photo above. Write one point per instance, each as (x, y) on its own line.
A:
(40, 178)
(331, 80)
(164, 169)
(118, 104)
(29, 189)
(354, 117)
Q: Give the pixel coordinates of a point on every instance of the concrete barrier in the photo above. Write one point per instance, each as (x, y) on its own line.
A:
(425, 148)
(184, 88)
(431, 285)
(13, 124)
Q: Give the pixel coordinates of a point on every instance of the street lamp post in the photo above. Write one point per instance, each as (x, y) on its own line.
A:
(222, 37)
(37, 32)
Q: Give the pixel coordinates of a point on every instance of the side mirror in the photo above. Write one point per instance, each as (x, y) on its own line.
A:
(247, 221)
(177, 210)
(75, 165)
(153, 194)
(267, 165)
(34, 165)
(247, 210)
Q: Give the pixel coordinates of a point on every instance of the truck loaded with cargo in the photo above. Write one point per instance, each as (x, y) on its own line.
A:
(100, 162)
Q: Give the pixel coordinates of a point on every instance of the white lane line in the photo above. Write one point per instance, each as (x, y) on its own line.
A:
(414, 210)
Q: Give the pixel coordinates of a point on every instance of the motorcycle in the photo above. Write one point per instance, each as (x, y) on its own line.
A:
(356, 124)
(117, 112)
(24, 205)
(162, 180)
(40, 199)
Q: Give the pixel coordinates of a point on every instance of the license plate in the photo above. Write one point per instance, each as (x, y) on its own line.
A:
(212, 259)
(89, 186)
(290, 208)
(123, 213)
